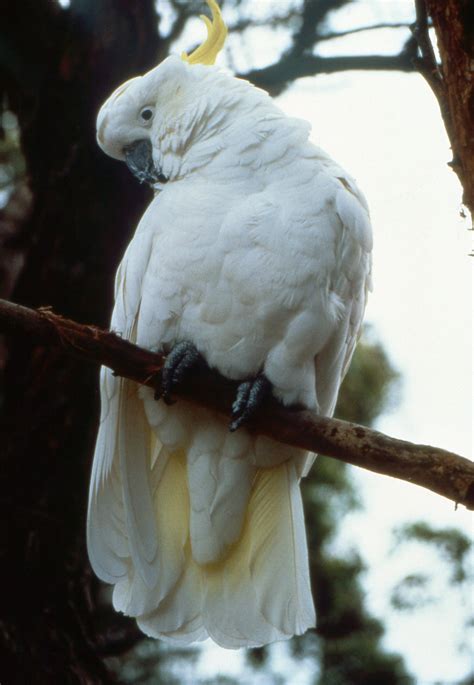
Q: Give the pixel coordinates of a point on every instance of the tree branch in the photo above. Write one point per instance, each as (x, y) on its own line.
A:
(276, 77)
(250, 23)
(362, 29)
(314, 17)
(443, 472)
(427, 64)
(452, 80)
(244, 24)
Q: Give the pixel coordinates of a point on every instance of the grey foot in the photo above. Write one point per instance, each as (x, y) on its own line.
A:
(249, 398)
(182, 358)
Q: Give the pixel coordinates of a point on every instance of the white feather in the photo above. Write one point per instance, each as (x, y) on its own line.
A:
(261, 592)
(256, 250)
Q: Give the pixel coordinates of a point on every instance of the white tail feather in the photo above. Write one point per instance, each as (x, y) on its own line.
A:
(107, 538)
(257, 591)
(134, 457)
(261, 592)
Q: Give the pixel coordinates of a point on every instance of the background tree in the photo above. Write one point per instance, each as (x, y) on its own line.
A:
(451, 77)
(68, 212)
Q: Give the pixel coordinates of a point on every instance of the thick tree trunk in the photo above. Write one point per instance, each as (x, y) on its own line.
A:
(454, 84)
(60, 67)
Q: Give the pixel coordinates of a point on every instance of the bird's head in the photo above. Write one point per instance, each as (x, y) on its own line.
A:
(142, 117)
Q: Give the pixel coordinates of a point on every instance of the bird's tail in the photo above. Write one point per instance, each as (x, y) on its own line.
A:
(258, 590)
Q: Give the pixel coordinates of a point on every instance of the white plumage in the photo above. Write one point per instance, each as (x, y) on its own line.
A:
(256, 250)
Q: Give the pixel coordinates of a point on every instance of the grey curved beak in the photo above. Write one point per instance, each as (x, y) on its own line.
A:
(139, 159)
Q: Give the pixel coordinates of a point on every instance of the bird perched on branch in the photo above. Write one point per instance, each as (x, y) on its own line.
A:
(254, 256)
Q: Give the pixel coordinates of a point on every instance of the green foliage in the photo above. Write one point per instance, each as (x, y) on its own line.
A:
(453, 545)
(257, 657)
(412, 592)
(467, 681)
(151, 662)
(358, 660)
(370, 388)
(340, 599)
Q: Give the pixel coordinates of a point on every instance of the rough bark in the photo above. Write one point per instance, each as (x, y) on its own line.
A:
(453, 80)
(56, 68)
(438, 470)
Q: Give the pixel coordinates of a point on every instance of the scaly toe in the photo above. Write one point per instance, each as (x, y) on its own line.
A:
(250, 395)
(182, 358)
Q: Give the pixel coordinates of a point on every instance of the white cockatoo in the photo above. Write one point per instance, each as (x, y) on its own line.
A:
(254, 255)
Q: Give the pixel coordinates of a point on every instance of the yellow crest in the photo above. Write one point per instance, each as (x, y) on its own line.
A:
(216, 35)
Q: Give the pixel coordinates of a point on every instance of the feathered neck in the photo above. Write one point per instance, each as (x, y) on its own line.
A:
(225, 116)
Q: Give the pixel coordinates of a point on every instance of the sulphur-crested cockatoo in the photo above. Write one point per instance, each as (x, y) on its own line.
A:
(255, 255)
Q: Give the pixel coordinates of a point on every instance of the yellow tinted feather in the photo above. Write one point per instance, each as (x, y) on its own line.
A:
(216, 35)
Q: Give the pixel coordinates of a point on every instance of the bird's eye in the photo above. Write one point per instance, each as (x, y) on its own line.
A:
(146, 114)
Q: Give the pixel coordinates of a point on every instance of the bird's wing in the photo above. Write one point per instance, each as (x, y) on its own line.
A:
(129, 462)
(351, 281)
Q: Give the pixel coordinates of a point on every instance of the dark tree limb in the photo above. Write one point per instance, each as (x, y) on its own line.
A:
(56, 67)
(362, 29)
(276, 77)
(244, 24)
(443, 472)
(452, 80)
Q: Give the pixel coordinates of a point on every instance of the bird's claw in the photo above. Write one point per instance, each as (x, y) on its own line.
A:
(249, 397)
(182, 358)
